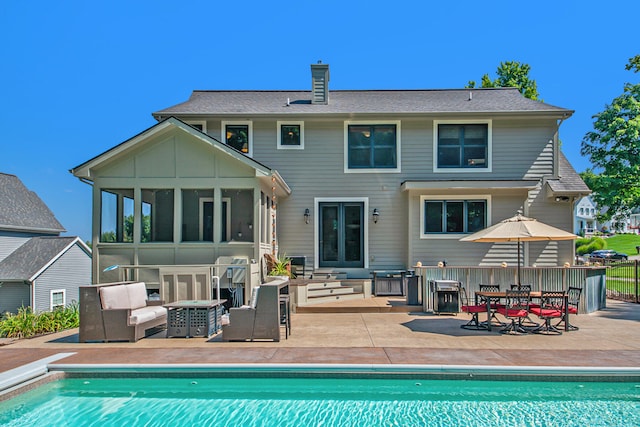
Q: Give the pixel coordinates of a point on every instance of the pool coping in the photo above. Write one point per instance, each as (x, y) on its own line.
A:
(341, 368)
(26, 377)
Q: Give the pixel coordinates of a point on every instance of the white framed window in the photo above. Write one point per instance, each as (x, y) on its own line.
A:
(290, 135)
(57, 299)
(452, 217)
(201, 125)
(462, 146)
(239, 135)
(372, 146)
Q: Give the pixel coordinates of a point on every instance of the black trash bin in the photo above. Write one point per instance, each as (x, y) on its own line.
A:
(413, 289)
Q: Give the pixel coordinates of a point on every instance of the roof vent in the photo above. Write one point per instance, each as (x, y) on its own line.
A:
(320, 83)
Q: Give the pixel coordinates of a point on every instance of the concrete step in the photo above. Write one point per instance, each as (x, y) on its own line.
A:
(328, 291)
(331, 298)
(328, 274)
(364, 305)
(312, 286)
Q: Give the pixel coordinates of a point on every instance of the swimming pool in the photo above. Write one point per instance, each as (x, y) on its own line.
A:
(328, 400)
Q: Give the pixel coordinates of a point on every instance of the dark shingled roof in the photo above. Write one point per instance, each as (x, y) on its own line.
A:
(569, 181)
(494, 100)
(23, 210)
(31, 257)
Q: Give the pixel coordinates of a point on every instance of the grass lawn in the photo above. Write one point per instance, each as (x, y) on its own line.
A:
(625, 243)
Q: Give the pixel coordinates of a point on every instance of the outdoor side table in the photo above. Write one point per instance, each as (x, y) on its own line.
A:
(194, 318)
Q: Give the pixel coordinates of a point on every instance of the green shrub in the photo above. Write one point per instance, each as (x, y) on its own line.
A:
(26, 324)
(586, 246)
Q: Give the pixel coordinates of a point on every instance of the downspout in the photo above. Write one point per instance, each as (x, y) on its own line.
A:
(33, 294)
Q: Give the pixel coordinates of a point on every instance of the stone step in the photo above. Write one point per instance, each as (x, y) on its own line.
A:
(328, 291)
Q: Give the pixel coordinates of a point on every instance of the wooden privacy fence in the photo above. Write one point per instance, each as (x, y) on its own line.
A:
(592, 280)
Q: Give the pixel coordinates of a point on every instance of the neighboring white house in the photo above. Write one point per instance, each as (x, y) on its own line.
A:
(353, 180)
(38, 267)
(586, 223)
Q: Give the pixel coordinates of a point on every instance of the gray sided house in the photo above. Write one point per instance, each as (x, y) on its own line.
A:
(355, 181)
(38, 268)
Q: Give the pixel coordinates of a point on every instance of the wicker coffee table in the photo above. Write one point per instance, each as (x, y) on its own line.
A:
(194, 318)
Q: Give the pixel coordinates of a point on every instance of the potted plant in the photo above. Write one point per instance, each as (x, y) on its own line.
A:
(282, 267)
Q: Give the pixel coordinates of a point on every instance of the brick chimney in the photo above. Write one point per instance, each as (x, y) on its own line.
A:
(320, 83)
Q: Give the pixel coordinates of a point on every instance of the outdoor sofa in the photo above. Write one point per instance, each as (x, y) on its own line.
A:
(118, 312)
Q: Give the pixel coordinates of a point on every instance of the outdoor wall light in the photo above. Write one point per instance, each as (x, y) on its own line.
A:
(376, 215)
(307, 214)
(562, 199)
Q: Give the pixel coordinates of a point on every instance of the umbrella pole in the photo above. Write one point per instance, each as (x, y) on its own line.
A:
(518, 279)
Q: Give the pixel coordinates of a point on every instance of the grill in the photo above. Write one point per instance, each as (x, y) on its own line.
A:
(446, 296)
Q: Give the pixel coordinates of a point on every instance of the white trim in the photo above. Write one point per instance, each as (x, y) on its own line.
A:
(64, 297)
(202, 123)
(201, 202)
(398, 126)
(279, 125)
(248, 123)
(316, 225)
(451, 236)
(489, 167)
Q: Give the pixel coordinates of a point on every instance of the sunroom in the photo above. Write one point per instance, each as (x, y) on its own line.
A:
(174, 207)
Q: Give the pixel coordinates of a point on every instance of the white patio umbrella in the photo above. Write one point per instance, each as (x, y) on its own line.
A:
(519, 229)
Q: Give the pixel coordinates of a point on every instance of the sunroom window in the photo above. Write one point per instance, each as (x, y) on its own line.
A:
(157, 215)
(454, 216)
(237, 215)
(197, 215)
(116, 216)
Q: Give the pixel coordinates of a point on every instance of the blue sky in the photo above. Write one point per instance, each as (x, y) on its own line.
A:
(79, 77)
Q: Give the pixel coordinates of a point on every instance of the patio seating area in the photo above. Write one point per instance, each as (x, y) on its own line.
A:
(607, 338)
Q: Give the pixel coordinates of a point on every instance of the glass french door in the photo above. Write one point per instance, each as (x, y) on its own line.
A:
(341, 234)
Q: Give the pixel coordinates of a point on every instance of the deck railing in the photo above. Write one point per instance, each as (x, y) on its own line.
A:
(592, 280)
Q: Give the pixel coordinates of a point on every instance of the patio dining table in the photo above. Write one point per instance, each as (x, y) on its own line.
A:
(488, 296)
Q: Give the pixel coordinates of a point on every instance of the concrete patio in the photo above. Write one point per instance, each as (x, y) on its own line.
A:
(608, 338)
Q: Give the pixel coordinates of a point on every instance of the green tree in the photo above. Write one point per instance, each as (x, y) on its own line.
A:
(511, 74)
(613, 147)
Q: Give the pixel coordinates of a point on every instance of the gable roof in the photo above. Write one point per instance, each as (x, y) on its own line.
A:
(83, 171)
(282, 103)
(569, 181)
(22, 209)
(30, 259)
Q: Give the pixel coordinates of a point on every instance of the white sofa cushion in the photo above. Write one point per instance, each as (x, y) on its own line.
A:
(137, 295)
(145, 314)
(114, 297)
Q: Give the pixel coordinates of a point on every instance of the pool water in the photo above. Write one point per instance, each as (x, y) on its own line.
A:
(322, 402)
